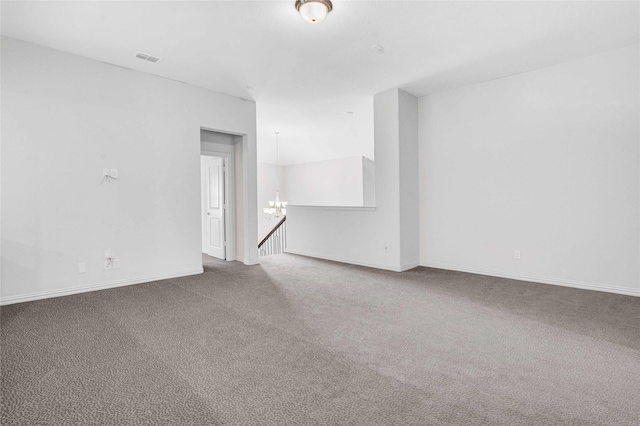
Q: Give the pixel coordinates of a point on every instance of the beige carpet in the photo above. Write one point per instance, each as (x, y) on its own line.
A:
(299, 341)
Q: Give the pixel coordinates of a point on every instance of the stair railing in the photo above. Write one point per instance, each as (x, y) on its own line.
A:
(276, 241)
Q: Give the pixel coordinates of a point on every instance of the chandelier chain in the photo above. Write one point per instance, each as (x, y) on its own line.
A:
(277, 162)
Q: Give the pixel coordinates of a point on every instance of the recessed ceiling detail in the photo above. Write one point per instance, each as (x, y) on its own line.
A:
(147, 57)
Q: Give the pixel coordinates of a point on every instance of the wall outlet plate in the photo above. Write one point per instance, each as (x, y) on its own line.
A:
(116, 263)
(82, 268)
(107, 265)
(516, 254)
(107, 254)
(114, 173)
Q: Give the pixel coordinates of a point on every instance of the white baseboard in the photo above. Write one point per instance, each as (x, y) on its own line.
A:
(409, 265)
(393, 268)
(545, 280)
(83, 289)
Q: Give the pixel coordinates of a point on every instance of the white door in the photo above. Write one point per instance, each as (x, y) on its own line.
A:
(213, 206)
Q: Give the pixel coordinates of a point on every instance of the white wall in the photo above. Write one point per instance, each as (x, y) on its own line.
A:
(408, 201)
(368, 182)
(371, 236)
(337, 182)
(64, 118)
(545, 162)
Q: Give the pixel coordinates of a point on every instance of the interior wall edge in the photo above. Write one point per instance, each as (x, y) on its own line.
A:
(541, 280)
(28, 297)
(350, 261)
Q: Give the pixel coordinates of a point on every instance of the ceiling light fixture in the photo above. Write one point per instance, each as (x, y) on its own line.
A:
(276, 207)
(314, 11)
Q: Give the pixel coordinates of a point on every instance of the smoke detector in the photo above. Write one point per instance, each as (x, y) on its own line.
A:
(147, 57)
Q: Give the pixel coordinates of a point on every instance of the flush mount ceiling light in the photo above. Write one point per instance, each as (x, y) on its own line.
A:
(314, 11)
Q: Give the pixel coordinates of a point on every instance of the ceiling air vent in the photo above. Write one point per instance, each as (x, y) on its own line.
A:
(147, 57)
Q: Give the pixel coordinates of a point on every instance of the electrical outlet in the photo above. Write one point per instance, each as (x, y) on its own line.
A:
(114, 173)
(108, 264)
(385, 246)
(105, 172)
(116, 263)
(516, 254)
(82, 268)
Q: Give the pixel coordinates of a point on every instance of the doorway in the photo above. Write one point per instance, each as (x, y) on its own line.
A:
(239, 194)
(213, 173)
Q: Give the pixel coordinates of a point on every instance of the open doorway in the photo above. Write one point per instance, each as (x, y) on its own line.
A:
(213, 172)
(224, 197)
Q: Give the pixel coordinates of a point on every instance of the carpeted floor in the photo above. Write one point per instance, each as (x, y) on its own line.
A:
(300, 341)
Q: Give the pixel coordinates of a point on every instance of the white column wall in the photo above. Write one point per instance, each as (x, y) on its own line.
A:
(368, 236)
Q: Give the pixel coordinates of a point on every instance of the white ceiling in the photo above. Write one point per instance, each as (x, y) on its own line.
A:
(307, 76)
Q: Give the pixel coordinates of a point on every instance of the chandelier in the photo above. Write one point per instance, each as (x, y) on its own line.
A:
(276, 207)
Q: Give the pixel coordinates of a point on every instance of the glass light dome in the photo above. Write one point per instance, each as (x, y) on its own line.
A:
(314, 11)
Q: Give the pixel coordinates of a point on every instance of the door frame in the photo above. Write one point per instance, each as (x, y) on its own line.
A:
(228, 162)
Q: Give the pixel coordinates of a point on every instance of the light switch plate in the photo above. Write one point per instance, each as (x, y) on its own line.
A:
(114, 173)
